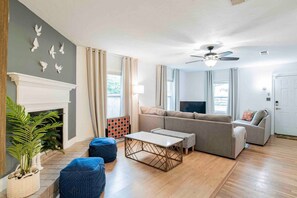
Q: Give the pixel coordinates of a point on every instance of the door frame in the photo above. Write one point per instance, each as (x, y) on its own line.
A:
(274, 76)
(4, 12)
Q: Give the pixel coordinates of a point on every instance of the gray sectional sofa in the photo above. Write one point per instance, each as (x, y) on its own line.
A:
(215, 134)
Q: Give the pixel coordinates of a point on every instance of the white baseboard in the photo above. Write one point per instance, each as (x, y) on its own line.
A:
(70, 142)
(84, 139)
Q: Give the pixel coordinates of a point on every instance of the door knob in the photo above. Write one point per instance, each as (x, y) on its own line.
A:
(277, 108)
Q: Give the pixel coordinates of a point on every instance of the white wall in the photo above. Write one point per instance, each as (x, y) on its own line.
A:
(113, 63)
(192, 86)
(84, 128)
(251, 82)
(221, 76)
(147, 77)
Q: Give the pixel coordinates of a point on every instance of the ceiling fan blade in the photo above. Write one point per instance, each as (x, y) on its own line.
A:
(223, 54)
(197, 56)
(229, 58)
(194, 61)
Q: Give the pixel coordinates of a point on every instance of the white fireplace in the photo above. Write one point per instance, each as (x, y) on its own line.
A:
(41, 94)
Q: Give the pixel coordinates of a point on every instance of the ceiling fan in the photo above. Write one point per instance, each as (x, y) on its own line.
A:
(210, 59)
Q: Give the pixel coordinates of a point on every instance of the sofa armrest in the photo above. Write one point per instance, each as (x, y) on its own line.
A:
(248, 127)
(238, 140)
(267, 122)
(255, 134)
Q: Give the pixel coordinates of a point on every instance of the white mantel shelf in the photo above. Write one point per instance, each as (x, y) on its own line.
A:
(21, 79)
(41, 94)
(32, 90)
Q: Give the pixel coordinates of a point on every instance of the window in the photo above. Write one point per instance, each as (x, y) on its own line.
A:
(221, 91)
(170, 89)
(170, 95)
(113, 95)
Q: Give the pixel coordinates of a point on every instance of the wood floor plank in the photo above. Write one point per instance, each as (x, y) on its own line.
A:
(264, 171)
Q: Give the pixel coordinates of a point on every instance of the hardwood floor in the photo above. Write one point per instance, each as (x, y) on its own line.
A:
(269, 171)
(259, 171)
(200, 175)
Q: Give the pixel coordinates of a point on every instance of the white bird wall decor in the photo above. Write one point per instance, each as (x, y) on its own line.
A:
(38, 30)
(43, 65)
(35, 45)
(62, 49)
(52, 52)
(58, 68)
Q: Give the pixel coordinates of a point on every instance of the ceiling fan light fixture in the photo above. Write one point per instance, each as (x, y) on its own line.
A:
(210, 62)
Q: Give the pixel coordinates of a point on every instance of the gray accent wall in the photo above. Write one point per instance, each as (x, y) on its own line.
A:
(22, 60)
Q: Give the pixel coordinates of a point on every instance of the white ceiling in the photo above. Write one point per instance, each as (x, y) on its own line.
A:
(168, 31)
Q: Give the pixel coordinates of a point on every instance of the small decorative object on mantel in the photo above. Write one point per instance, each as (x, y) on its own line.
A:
(35, 45)
(58, 68)
(43, 65)
(62, 49)
(52, 52)
(38, 30)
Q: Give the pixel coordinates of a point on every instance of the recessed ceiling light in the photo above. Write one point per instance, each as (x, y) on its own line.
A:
(264, 53)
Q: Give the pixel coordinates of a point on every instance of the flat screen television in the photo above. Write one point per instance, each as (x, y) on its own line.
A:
(193, 106)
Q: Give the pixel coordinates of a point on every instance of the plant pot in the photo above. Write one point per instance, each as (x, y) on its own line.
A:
(23, 187)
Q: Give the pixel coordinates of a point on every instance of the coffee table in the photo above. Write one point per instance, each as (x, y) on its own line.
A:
(158, 151)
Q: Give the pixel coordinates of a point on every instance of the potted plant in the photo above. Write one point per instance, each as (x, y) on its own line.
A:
(25, 134)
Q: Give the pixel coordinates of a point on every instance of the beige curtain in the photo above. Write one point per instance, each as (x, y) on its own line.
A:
(177, 91)
(161, 87)
(96, 71)
(233, 93)
(209, 92)
(130, 102)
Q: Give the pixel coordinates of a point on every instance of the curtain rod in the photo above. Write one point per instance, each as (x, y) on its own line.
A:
(93, 50)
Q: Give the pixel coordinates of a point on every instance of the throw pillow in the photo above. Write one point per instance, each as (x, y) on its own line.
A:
(214, 118)
(248, 115)
(153, 111)
(258, 117)
(180, 114)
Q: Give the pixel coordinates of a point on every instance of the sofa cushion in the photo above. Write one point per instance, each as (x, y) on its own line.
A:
(215, 118)
(180, 114)
(244, 122)
(258, 117)
(248, 115)
(153, 111)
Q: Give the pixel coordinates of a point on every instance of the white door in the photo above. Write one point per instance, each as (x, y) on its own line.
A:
(285, 105)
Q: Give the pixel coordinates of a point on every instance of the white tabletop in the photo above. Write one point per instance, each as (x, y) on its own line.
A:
(160, 140)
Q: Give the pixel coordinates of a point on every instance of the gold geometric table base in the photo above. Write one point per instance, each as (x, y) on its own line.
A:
(163, 158)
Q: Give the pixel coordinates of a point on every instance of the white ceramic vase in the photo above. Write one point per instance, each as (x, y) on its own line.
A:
(23, 187)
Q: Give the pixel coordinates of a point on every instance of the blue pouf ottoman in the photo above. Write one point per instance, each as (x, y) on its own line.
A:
(83, 177)
(103, 147)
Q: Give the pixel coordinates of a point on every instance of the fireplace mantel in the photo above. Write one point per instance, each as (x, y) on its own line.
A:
(36, 90)
(41, 94)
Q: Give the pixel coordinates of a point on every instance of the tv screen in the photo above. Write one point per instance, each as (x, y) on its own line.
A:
(192, 106)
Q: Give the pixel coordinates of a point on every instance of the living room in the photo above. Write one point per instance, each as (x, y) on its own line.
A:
(202, 93)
